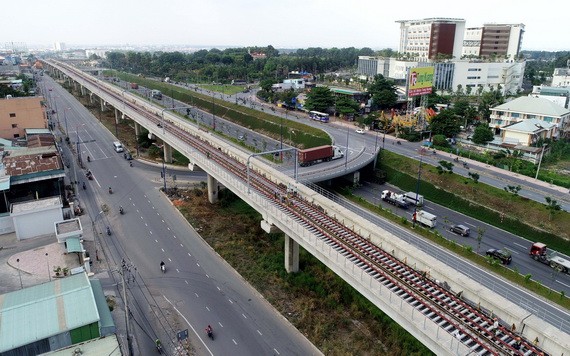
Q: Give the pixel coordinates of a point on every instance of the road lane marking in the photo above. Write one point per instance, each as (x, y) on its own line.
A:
(207, 275)
(277, 352)
(564, 284)
(196, 294)
(169, 260)
(234, 341)
(220, 324)
(150, 232)
(186, 282)
(519, 245)
(162, 220)
(218, 288)
(189, 254)
(245, 317)
(197, 264)
(208, 309)
(181, 245)
(174, 236)
(259, 332)
(167, 228)
(187, 322)
(231, 301)
(163, 250)
(177, 270)
(155, 240)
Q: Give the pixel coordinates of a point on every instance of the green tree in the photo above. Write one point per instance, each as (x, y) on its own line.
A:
(553, 207)
(346, 106)
(440, 141)
(445, 123)
(383, 93)
(482, 134)
(319, 99)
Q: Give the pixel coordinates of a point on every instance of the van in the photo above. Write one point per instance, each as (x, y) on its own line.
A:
(118, 146)
(156, 94)
(460, 230)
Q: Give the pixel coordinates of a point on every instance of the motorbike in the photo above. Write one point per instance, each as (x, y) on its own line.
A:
(398, 143)
(465, 165)
(110, 190)
(162, 267)
(88, 159)
(131, 163)
(84, 186)
(210, 333)
(121, 211)
(108, 231)
(89, 175)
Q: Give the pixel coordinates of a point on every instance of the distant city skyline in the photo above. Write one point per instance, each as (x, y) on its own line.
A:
(244, 23)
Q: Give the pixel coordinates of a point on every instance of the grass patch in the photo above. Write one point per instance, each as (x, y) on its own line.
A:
(224, 89)
(521, 216)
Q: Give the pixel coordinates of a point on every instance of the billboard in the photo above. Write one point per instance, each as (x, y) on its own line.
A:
(420, 81)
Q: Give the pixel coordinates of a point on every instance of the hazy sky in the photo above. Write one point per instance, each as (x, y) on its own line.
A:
(280, 23)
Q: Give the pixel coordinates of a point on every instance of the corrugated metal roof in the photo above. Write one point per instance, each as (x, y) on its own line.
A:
(73, 244)
(532, 105)
(529, 126)
(48, 309)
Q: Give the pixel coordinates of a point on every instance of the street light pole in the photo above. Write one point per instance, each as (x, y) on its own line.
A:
(540, 160)
(346, 154)
(417, 192)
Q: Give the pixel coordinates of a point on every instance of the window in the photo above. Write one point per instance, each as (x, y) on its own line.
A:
(14, 126)
(531, 116)
(548, 119)
(16, 135)
(12, 114)
(515, 114)
(473, 77)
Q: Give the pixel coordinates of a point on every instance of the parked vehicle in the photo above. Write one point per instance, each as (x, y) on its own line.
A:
(134, 86)
(318, 154)
(394, 199)
(501, 255)
(412, 199)
(118, 147)
(425, 218)
(360, 131)
(539, 252)
(460, 230)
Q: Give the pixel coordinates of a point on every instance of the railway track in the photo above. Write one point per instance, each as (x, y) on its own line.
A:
(472, 326)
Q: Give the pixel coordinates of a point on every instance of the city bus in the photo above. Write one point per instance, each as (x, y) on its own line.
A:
(319, 116)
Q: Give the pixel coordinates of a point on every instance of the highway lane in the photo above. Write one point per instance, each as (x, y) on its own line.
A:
(555, 315)
(493, 237)
(202, 287)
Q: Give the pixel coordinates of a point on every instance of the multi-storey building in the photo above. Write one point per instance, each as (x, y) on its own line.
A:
(561, 77)
(493, 40)
(427, 39)
(19, 114)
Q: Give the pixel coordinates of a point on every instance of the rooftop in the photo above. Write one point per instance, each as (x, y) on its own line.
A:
(45, 310)
(533, 105)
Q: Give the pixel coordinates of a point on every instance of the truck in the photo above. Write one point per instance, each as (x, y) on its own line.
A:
(134, 86)
(394, 199)
(310, 156)
(539, 253)
(411, 198)
(425, 218)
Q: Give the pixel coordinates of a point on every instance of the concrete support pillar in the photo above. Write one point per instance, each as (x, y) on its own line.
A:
(212, 189)
(167, 153)
(291, 255)
(90, 98)
(137, 129)
(82, 89)
(102, 104)
(116, 115)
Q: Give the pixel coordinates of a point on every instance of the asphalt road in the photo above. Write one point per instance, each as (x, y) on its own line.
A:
(198, 288)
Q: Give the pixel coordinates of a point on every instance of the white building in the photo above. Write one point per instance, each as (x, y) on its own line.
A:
(449, 75)
(425, 39)
(102, 53)
(561, 77)
(528, 107)
(59, 46)
(558, 95)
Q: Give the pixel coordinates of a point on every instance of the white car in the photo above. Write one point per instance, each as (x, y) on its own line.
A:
(360, 131)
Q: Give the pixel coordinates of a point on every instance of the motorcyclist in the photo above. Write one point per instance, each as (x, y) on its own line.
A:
(121, 210)
(209, 332)
(84, 187)
(88, 159)
(108, 231)
(158, 345)
(162, 266)
(110, 190)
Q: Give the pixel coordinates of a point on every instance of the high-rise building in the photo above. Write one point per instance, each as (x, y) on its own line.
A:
(429, 39)
(59, 46)
(493, 40)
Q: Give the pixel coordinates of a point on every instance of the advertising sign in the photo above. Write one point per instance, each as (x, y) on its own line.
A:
(420, 81)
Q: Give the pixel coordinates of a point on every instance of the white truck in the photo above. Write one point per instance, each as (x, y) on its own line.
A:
(394, 199)
(411, 198)
(425, 218)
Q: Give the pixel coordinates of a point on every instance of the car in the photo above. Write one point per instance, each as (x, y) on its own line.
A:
(241, 137)
(502, 255)
(128, 156)
(460, 230)
(360, 131)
